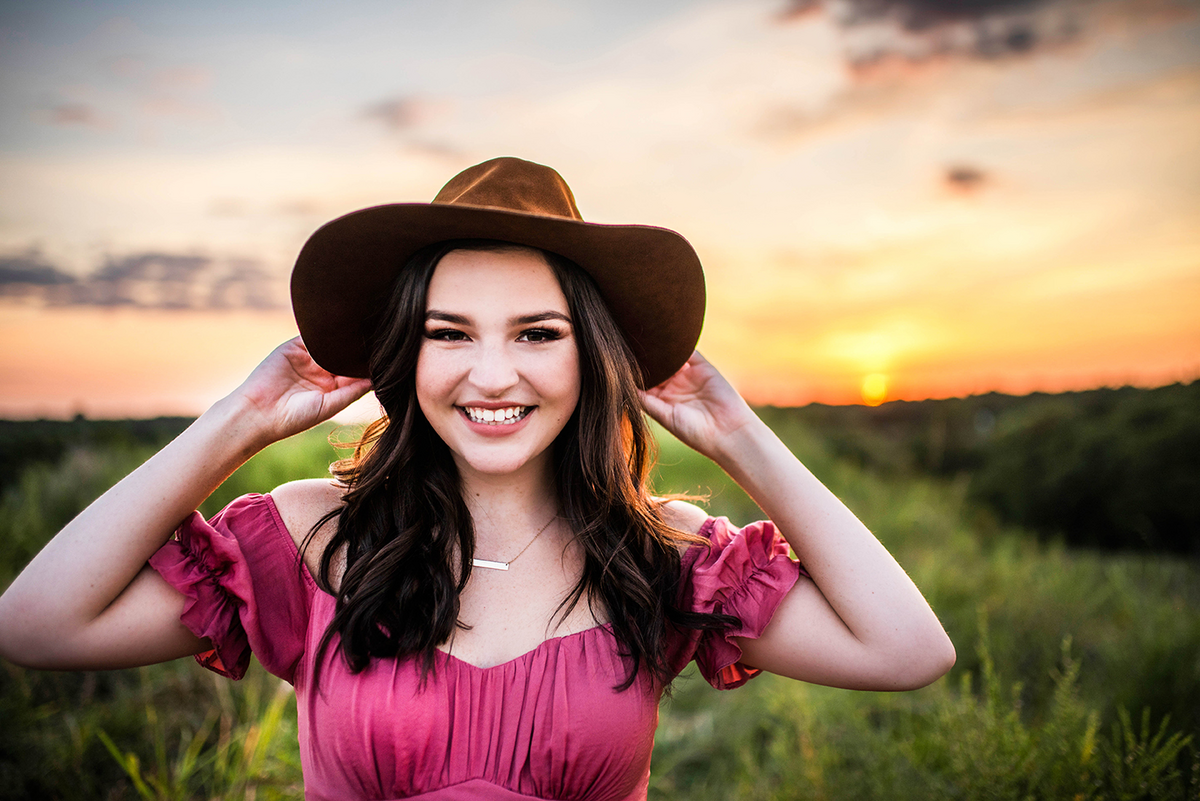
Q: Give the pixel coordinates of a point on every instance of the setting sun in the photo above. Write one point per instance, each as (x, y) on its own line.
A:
(874, 389)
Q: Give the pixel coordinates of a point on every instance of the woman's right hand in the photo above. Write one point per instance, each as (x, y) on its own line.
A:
(290, 393)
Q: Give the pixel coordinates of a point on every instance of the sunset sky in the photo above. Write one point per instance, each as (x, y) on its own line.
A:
(891, 199)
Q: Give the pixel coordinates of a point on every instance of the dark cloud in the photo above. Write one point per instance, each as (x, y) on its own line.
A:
(155, 280)
(28, 274)
(31, 269)
(243, 285)
(145, 280)
(963, 179)
(915, 30)
(920, 15)
(797, 9)
(75, 114)
(396, 114)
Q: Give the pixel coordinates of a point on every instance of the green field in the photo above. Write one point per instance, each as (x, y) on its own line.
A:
(1078, 670)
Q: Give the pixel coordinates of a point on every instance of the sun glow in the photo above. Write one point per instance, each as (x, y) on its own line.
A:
(874, 389)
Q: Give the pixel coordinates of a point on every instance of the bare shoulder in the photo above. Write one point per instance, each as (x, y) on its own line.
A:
(302, 503)
(684, 516)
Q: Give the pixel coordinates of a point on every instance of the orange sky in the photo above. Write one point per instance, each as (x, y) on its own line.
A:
(946, 218)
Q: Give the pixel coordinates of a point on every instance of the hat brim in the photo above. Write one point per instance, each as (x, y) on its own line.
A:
(649, 277)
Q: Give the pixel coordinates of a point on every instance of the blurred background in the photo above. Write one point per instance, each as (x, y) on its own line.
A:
(891, 198)
(953, 254)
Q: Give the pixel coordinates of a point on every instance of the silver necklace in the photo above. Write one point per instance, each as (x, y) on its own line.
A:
(488, 563)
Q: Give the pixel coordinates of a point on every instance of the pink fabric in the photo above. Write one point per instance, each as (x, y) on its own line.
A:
(545, 725)
(745, 573)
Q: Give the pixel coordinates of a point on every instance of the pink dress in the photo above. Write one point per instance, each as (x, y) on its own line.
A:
(545, 725)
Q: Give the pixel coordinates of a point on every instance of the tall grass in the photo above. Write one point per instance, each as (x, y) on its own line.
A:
(166, 731)
(1078, 673)
(1134, 619)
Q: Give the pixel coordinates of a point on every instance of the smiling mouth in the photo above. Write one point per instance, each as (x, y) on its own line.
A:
(496, 417)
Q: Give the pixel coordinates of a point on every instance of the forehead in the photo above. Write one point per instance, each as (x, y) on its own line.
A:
(500, 280)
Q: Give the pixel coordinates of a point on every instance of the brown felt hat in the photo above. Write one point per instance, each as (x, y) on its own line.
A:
(650, 277)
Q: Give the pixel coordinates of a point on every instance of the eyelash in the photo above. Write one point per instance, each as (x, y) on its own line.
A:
(540, 335)
(532, 335)
(446, 334)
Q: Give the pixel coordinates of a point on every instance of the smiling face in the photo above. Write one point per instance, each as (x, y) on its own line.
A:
(498, 372)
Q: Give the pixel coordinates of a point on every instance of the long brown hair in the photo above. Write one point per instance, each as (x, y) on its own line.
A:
(407, 533)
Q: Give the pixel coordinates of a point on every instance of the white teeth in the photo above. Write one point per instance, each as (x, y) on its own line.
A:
(501, 417)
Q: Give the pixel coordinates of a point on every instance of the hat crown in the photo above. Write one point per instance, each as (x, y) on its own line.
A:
(511, 184)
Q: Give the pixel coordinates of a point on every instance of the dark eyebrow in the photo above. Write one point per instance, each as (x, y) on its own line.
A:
(542, 317)
(458, 319)
(446, 317)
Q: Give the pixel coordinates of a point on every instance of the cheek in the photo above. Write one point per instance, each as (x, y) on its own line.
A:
(430, 379)
(571, 383)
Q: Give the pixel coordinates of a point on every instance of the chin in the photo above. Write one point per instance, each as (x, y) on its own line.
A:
(501, 466)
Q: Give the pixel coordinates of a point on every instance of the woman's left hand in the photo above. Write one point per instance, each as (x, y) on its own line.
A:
(698, 406)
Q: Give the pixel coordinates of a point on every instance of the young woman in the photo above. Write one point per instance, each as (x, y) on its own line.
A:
(485, 602)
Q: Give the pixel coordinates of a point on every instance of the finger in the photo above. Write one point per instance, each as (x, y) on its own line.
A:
(656, 407)
(347, 394)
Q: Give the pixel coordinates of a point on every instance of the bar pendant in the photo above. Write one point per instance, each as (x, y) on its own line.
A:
(490, 564)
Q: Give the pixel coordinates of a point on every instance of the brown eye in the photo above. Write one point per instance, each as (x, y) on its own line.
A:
(446, 335)
(539, 335)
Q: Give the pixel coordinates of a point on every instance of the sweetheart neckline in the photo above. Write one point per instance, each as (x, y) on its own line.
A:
(527, 654)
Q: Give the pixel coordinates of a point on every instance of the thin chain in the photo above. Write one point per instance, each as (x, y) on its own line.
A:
(523, 550)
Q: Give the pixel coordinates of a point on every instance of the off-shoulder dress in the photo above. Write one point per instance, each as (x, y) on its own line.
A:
(545, 725)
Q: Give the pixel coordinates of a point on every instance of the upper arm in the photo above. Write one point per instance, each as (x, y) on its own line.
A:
(140, 627)
(806, 640)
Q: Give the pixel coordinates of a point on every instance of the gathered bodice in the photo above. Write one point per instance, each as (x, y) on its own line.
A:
(547, 724)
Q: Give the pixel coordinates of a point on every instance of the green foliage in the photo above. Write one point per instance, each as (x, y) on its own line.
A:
(1110, 468)
(25, 443)
(1133, 617)
(168, 731)
(254, 754)
(1121, 470)
(54, 744)
(776, 739)
(1067, 640)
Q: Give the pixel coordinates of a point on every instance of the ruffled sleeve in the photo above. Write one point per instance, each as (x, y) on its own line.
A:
(741, 572)
(246, 589)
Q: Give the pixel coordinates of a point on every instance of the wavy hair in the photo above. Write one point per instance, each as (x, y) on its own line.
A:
(408, 536)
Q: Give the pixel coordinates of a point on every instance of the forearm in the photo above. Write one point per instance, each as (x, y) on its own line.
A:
(95, 557)
(864, 585)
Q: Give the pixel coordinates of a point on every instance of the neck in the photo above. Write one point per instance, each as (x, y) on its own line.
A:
(510, 507)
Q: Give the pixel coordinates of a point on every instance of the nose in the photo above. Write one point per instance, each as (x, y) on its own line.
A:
(494, 371)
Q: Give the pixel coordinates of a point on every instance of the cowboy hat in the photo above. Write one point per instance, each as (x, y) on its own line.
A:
(649, 277)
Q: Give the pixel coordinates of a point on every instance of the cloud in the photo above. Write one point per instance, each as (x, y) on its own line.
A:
(81, 114)
(127, 92)
(878, 32)
(412, 121)
(244, 284)
(963, 179)
(918, 15)
(399, 113)
(27, 274)
(151, 280)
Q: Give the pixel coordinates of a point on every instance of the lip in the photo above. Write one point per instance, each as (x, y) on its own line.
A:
(491, 404)
(486, 430)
